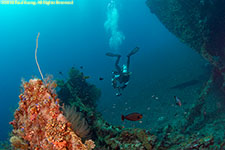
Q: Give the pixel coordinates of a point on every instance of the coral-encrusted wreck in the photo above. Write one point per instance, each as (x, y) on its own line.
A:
(39, 123)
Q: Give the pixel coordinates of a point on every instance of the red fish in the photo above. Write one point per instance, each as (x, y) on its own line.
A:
(132, 117)
(177, 100)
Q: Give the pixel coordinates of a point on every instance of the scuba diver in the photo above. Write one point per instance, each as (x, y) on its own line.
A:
(121, 76)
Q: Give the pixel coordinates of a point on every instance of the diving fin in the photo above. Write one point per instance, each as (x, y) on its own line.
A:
(112, 55)
(135, 50)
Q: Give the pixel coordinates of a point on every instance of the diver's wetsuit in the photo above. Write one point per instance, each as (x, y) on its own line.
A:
(121, 76)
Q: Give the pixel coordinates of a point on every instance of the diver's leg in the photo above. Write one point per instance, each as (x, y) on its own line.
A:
(135, 50)
(128, 63)
(117, 64)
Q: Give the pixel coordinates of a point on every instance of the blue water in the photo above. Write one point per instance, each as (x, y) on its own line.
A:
(74, 35)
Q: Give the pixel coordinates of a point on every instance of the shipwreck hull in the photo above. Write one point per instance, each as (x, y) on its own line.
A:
(198, 23)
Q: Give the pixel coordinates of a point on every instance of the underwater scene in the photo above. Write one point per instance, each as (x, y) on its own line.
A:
(112, 75)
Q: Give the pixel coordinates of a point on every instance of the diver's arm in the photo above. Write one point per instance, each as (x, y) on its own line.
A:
(124, 85)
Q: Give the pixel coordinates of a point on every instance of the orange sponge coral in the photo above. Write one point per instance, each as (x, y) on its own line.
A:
(39, 124)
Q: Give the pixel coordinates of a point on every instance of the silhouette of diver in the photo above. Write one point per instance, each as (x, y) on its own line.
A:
(121, 76)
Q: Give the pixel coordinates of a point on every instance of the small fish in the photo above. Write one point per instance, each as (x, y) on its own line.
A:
(86, 77)
(60, 73)
(177, 101)
(101, 78)
(81, 67)
(175, 114)
(132, 117)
